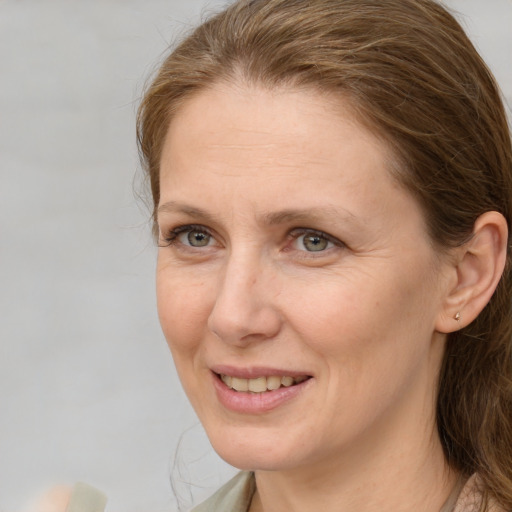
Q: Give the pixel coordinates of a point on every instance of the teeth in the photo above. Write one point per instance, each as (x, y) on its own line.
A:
(260, 384)
(240, 384)
(227, 380)
(286, 381)
(273, 382)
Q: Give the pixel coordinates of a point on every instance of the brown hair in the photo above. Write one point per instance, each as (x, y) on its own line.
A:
(414, 77)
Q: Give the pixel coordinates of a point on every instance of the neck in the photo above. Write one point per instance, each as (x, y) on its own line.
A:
(387, 482)
(398, 466)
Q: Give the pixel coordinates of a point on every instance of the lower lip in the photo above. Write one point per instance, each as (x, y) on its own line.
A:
(256, 403)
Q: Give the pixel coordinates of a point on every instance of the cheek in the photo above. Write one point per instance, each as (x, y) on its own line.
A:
(363, 319)
(330, 311)
(367, 341)
(183, 309)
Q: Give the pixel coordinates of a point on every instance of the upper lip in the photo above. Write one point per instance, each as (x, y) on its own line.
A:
(253, 372)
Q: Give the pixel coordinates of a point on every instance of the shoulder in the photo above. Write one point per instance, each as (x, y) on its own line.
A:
(234, 496)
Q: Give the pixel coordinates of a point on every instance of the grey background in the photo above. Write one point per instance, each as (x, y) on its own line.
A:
(87, 387)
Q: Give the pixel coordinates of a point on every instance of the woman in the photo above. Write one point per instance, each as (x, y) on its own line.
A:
(332, 187)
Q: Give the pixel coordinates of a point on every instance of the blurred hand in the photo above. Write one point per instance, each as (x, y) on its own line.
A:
(79, 498)
(55, 499)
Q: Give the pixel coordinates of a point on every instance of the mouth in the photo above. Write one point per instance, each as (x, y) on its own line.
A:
(261, 384)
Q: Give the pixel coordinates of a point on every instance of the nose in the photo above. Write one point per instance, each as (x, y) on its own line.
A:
(244, 310)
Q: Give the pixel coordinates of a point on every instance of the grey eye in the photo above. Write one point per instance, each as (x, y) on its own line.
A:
(314, 243)
(198, 238)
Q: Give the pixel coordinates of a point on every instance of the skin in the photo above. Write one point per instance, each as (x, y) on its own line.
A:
(359, 316)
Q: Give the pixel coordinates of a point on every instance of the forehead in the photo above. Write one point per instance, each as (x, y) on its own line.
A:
(235, 147)
(249, 122)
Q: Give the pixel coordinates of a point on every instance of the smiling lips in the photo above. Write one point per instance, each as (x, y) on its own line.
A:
(257, 390)
(261, 384)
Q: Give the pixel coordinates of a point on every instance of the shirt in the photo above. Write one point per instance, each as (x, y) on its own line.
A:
(236, 496)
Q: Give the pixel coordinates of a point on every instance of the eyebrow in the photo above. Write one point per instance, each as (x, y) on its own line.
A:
(192, 211)
(287, 216)
(303, 215)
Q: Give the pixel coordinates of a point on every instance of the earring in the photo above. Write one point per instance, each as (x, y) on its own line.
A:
(457, 316)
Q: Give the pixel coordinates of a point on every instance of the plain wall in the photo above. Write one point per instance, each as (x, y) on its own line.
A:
(87, 387)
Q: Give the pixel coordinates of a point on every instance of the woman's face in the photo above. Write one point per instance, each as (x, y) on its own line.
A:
(297, 287)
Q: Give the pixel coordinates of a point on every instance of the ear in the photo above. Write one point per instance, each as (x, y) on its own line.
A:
(478, 268)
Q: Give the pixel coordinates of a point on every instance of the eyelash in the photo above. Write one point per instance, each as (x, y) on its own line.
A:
(172, 237)
(297, 233)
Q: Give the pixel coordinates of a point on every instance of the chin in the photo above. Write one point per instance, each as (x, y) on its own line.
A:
(255, 461)
(255, 451)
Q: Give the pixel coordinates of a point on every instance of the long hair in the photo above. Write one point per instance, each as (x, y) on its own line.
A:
(413, 77)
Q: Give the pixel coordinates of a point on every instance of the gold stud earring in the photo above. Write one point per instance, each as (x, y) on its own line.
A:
(457, 316)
